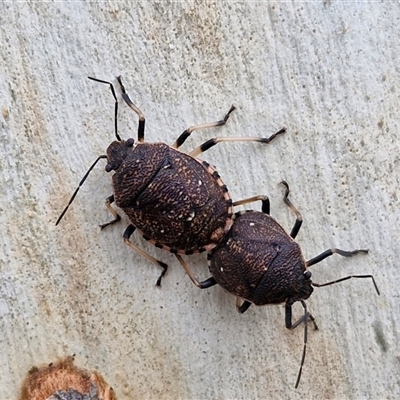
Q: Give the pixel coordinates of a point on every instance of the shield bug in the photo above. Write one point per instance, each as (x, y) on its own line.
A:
(175, 200)
(261, 264)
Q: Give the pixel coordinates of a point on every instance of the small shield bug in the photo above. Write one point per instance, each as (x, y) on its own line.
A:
(261, 264)
(175, 200)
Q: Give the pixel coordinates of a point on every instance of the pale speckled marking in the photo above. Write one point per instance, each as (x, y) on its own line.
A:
(228, 224)
(229, 221)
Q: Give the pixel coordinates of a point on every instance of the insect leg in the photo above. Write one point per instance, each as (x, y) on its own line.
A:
(201, 285)
(212, 142)
(116, 104)
(117, 218)
(185, 134)
(134, 108)
(299, 219)
(242, 306)
(330, 252)
(265, 206)
(127, 234)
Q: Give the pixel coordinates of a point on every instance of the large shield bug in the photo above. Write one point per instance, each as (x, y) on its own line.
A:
(261, 264)
(177, 202)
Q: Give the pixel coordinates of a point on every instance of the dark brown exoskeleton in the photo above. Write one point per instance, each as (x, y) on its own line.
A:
(260, 263)
(177, 202)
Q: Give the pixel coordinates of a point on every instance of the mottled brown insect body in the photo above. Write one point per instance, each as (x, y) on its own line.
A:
(178, 203)
(259, 262)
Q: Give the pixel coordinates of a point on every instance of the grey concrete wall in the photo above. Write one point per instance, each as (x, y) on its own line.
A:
(326, 70)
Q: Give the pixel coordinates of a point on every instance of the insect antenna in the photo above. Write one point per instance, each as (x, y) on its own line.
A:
(343, 253)
(345, 279)
(116, 104)
(77, 189)
(305, 318)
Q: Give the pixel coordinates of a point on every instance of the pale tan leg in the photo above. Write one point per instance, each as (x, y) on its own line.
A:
(182, 138)
(265, 206)
(212, 142)
(201, 285)
(117, 218)
(127, 234)
(249, 200)
(188, 270)
(242, 305)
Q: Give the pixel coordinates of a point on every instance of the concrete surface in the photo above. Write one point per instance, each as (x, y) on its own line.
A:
(327, 70)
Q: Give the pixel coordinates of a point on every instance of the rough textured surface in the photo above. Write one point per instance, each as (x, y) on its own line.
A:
(328, 71)
(259, 262)
(177, 203)
(62, 380)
